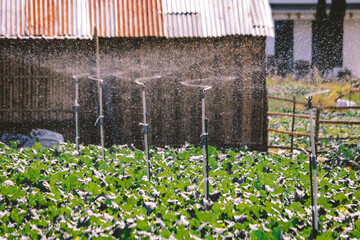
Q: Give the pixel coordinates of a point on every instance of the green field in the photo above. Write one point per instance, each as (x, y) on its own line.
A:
(289, 87)
(53, 193)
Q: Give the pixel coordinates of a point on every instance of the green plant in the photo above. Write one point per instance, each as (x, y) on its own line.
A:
(253, 195)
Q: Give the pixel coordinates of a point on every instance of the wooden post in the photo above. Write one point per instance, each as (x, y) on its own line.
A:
(99, 88)
(317, 127)
(293, 124)
(268, 124)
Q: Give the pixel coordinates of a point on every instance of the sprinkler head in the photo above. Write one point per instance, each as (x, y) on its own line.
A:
(309, 99)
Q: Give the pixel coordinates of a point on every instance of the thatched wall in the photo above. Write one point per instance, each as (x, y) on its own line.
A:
(38, 89)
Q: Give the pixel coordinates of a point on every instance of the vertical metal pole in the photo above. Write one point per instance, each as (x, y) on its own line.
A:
(312, 192)
(77, 114)
(204, 146)
(314, 167)
(101, 117)
(146, 133)
(207, 158)
(99, 86)
(293, 124)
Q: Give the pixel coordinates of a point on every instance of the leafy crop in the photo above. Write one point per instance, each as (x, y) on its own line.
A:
(53, 193)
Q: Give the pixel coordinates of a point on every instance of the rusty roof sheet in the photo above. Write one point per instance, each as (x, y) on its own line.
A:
(134, 18)
(126, 18)
(44, 19)
(77, 18)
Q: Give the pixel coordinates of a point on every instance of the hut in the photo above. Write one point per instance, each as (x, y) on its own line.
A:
(44, 43)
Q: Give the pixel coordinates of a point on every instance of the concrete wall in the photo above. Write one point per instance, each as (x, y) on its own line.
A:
(352, 45)
(302, 40)
(270, 46)
(38, 89)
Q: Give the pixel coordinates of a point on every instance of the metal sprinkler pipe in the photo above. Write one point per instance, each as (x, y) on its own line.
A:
(141, 82)
(77, 114)
(77, 137)
(145, 129)
(206, 170)
(313, 165)
(76, 78)
(99, 120)
(204, 136)
(311, 186)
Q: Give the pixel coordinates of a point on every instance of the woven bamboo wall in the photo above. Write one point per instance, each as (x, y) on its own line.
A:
(37, 89)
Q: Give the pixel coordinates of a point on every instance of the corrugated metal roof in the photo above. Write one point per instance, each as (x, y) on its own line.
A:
(44, 18)
(134, 18)
(77, 18)
(12, 17)
(215, 18)
(126, 18)
(262, 18)
(182, 18)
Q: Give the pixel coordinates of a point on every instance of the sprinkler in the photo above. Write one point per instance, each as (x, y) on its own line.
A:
(141, 81)
(77, 81)
(99, 120)
(313, 166)
(77, 137)
(204, 135)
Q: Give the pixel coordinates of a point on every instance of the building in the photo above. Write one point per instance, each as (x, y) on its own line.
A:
(44, 43)
(292, 48)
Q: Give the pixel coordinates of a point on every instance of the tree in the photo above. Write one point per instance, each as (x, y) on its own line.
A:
(328, 34)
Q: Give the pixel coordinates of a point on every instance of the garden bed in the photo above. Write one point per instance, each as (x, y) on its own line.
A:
(53, 193)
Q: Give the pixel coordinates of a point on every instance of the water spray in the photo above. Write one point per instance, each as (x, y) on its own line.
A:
(141, 82)
(313, 175)
(204, 135)
(100, 119)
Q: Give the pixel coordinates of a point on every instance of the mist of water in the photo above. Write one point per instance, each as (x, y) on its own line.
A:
(162, 67)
